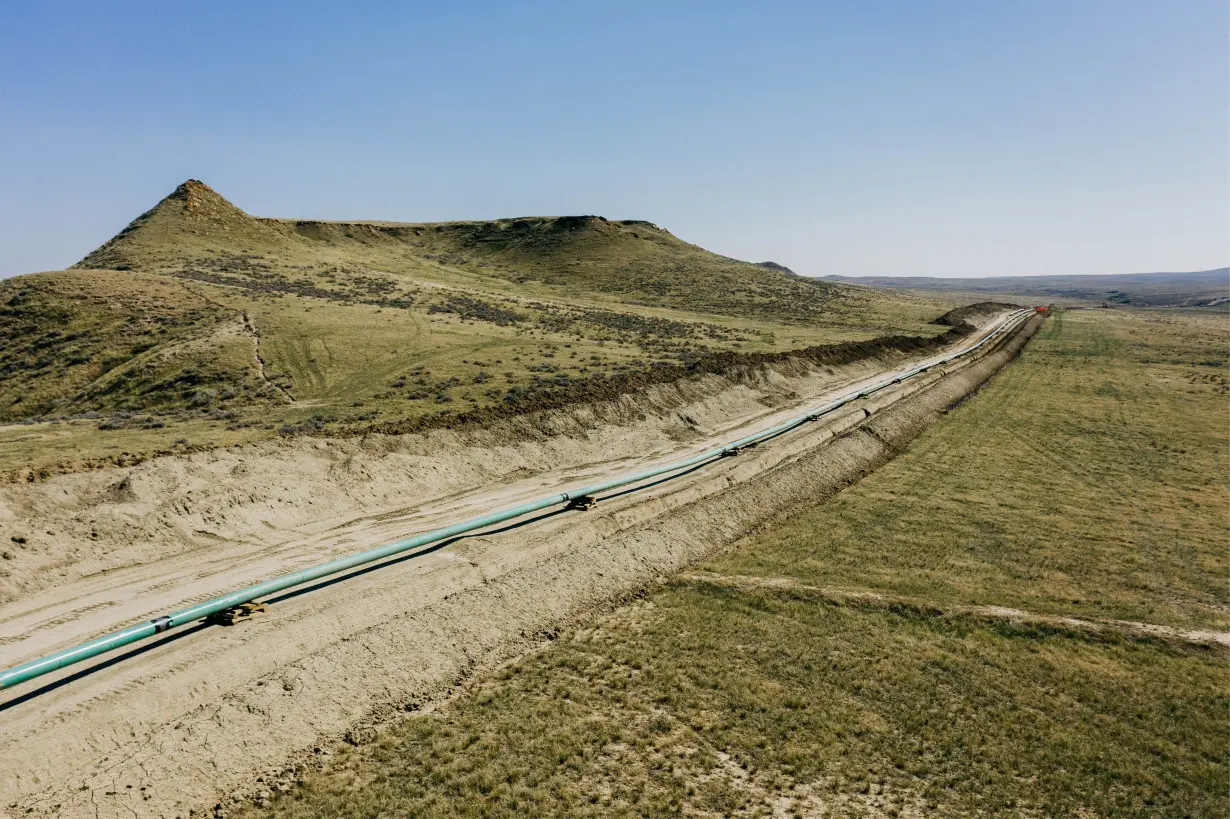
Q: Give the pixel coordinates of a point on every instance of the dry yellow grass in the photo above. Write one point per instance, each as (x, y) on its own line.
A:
(1088, 478)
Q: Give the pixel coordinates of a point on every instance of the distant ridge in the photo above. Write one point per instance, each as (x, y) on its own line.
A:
(1212, 275)
(1200, 288)
(775, 266)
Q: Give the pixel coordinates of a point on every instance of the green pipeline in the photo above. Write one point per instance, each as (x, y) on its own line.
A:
(109, 642)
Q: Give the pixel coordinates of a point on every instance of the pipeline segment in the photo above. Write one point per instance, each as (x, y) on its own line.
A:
(92, 648)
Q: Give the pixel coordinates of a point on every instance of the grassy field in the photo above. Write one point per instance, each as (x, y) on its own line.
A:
(1091, 479)
(1088, 479)
(200, 325)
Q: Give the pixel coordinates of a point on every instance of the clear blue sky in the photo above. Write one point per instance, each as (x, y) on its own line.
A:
(861, 137)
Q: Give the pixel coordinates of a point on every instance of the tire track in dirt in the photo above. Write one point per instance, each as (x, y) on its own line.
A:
(930, 608)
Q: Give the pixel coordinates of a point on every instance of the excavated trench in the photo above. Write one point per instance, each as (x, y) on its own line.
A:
(205, 713)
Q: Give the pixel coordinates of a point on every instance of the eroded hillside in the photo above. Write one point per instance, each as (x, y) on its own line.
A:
(199, 325)
(196, 232)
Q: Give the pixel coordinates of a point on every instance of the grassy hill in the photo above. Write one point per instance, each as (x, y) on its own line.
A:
(200, 324)
(1205, 288)
(196, 233)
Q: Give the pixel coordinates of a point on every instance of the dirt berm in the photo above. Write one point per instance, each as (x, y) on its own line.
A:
(207, 717)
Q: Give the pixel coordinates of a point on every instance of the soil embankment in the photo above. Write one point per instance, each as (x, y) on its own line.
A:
(80, 524)
(209, 711)
(975, 315)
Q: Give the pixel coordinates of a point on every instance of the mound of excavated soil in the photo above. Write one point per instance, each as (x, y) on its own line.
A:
(975, 315)
(80, 524)
(205, 713)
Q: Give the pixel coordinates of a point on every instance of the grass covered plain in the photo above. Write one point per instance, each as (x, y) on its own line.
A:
(1087, 479)
(1090, 479)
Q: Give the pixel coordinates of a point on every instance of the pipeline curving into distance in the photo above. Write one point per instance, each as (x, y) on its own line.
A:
(109, 642)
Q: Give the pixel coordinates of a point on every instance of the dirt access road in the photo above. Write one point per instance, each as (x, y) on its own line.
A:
(169, 727)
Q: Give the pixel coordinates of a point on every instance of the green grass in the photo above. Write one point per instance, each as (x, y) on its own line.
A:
(1091, 479)
(711, 700)
(376, 323)
(75, 342)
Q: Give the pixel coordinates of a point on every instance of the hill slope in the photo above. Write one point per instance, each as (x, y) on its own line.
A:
(194, 228)
(200, 323)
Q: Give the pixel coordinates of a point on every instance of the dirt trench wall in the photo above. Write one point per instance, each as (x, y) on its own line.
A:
(229, 715)
(703, 527)
(975, 315)
(84, 523)
(466, 633)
